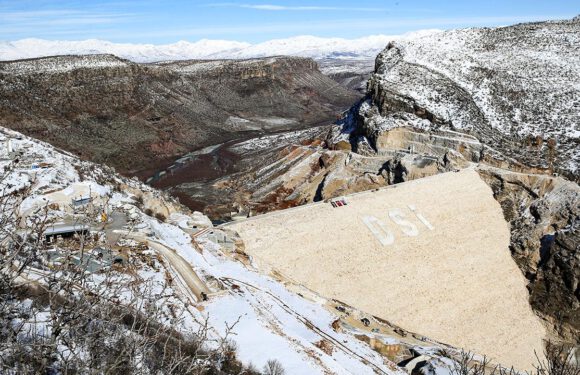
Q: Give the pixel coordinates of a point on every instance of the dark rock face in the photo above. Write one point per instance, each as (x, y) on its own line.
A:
(556, 291)
(544, 216)
(139, 117)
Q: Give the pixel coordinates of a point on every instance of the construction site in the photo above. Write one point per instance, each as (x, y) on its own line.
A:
(430, 255)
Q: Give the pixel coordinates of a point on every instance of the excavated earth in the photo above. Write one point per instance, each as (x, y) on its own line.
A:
(431, 255)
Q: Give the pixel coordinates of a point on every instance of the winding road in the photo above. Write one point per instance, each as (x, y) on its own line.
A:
(180, 267)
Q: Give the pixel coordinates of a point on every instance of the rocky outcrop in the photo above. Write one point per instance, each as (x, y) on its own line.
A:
(544, 216)
(140, 117)
(513, 88)
(271, 175)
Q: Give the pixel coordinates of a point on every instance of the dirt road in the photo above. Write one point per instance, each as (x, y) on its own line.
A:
(180, 267)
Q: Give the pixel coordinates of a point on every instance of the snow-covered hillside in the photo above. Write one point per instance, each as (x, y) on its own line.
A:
(60, 64)
(189, 260)
(514, 87)
(304, 46)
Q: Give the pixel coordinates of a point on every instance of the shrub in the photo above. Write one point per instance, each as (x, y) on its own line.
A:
(559, 361)
(139, 200)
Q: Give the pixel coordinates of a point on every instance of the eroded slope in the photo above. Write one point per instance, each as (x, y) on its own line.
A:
(139, 117)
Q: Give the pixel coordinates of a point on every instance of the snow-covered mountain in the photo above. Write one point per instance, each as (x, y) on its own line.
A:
(305, 46)
(32, 48)
(515, 88)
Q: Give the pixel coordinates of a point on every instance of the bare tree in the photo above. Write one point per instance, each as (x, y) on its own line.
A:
(560, 360)
(273, 367)
(467, 364)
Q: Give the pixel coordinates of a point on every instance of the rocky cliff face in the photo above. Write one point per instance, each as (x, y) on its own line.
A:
(544, 214)
(138, 117)
(514, 88)
(350, 73)
(281, 171)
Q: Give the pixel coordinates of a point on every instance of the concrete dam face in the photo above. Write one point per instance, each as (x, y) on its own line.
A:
(431, 255)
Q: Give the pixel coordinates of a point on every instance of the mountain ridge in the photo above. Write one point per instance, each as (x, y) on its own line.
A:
(303, 45)
(102, 106)
(513, 87)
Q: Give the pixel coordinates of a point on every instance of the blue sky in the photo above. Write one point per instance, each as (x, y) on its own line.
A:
(168, 21)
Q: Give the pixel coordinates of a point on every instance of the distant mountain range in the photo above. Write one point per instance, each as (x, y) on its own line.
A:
(304, 46)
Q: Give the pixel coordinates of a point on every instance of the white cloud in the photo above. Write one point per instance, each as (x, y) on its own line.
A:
(365, 25)
(56, 22)
(272, 7)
